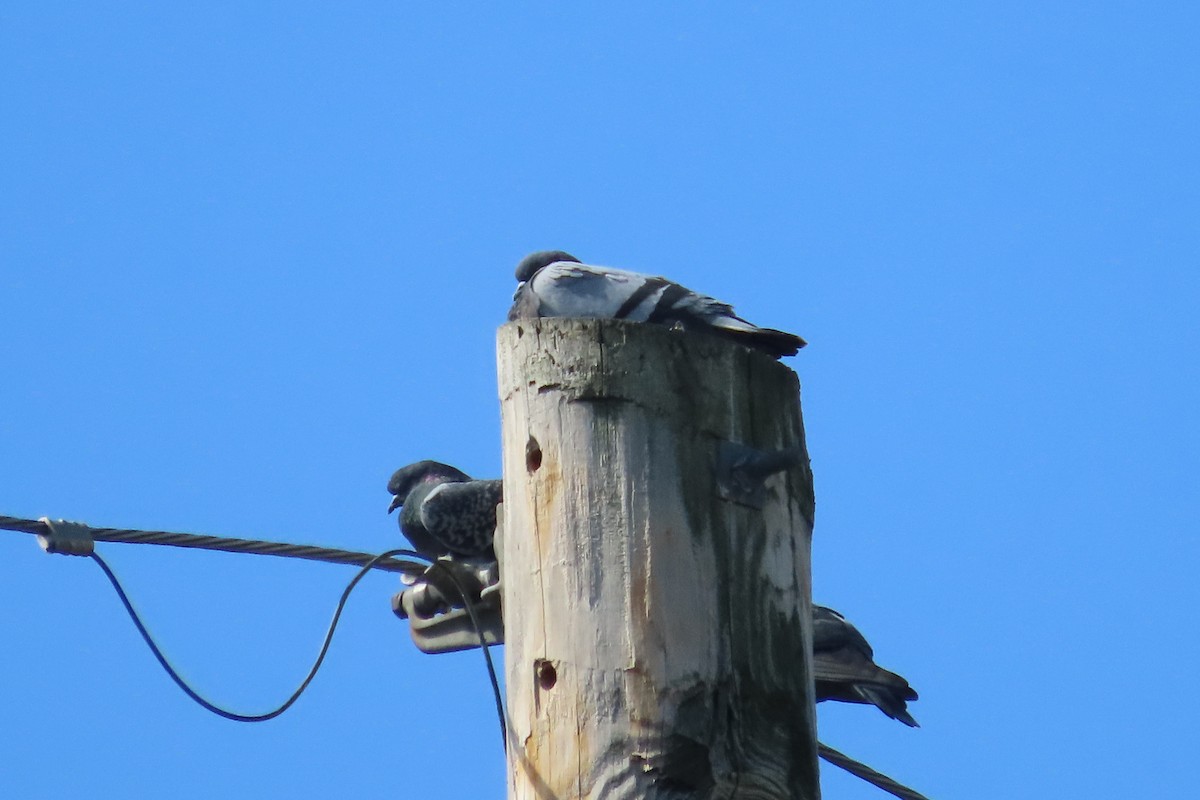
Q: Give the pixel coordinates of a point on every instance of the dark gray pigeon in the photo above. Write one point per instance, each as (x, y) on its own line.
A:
(444, 511)
(844, 669)
(556, 284)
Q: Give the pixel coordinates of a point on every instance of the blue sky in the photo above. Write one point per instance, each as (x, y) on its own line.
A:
(253, 259)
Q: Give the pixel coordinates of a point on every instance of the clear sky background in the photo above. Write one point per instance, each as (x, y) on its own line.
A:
(252, 259)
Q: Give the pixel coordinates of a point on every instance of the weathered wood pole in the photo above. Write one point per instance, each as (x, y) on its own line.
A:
(658, 636)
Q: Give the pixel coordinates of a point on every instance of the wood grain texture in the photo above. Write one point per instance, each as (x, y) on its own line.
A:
(657, 636)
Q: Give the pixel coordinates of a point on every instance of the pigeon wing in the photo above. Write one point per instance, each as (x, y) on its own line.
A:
(569, 289)
(832, 631)
(462, 516)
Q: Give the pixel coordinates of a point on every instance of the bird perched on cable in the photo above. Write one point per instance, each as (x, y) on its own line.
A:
(844, 669)
(556, 284)
(444, 511)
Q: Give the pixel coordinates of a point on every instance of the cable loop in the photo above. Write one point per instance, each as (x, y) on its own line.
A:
(68, 537)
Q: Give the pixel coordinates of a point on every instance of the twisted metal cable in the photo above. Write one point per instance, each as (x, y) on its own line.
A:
(860, 770)
(226, 544)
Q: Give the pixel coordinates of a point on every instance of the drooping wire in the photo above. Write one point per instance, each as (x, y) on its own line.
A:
(312, 673)
(469, 605)
(383, 561)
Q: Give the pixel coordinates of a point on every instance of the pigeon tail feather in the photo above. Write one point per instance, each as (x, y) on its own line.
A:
(773, 342)
(888, 702)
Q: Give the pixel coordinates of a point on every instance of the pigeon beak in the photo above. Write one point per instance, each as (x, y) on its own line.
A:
(397, 501)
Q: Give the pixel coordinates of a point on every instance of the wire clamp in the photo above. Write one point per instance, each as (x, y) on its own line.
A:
(66, 538)
(438, 621)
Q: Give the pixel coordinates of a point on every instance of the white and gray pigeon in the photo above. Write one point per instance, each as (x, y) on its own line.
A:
(556, 284)
(444, 511)
(844, 669)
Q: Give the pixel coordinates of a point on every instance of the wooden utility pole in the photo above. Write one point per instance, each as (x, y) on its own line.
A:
(658, 635)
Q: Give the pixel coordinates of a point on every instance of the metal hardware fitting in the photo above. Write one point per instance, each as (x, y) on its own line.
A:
(438, 621)
(66, 538)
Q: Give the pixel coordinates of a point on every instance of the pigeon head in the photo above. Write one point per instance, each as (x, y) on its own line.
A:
(535, 261)
(405, 479)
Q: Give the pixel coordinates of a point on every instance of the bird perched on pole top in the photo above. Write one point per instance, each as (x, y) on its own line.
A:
(844, 668)
(553, 283)
(444, 511)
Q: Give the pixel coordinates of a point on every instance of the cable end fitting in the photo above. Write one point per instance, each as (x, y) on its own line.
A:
(66, 538)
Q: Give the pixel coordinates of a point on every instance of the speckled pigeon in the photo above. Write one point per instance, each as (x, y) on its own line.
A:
(556, 284)
(444, 511)
(844, 668)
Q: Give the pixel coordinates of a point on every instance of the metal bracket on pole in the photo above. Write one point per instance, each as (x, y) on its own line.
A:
(66, 538)
(438, 620)
(741, 470)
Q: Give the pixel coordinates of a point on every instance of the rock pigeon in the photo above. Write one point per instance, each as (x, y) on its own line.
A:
(844, 668)
(556, 284)
(444, 511)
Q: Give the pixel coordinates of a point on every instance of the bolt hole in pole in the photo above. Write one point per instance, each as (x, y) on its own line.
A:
(547, 675)
(533, 455)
